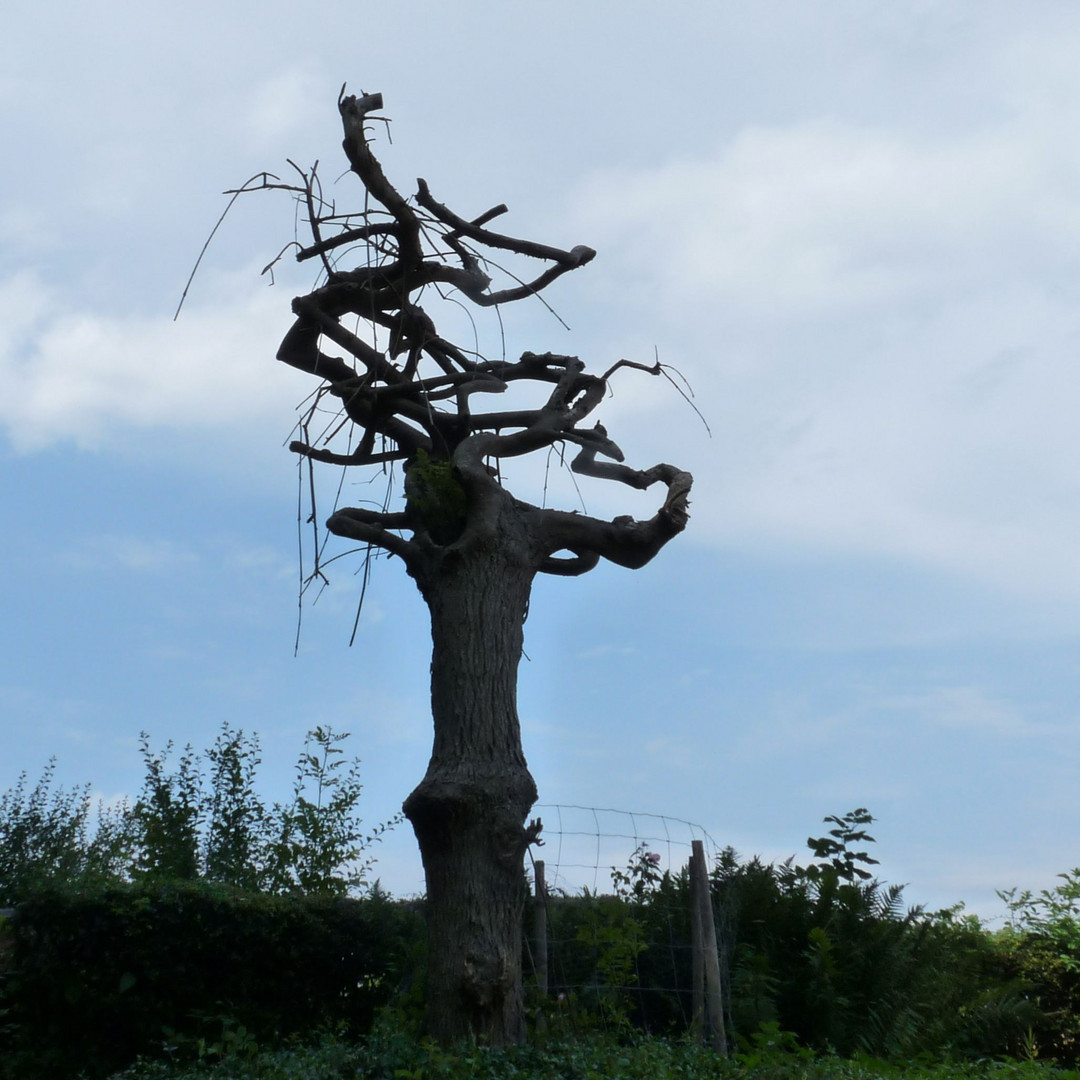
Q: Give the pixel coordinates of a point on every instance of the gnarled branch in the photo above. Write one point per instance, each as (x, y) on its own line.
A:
(415, 393)
(624, 540)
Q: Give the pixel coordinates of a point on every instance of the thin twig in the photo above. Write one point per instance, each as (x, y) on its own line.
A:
(235, 195)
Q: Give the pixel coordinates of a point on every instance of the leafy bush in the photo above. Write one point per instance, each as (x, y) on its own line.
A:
(191, 969)
(182, 828)
(179, 926)
(393, 1053)
(823, 951)
(158, 925)
(828, 952)
(1040, 949)
(48, 834)
(316, 843)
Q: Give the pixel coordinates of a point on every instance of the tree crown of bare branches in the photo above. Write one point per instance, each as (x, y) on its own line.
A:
(413, 401)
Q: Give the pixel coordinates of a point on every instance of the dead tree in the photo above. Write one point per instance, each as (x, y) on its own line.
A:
(471, 546)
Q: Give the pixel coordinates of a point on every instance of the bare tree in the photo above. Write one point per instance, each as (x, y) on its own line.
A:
(471, 546)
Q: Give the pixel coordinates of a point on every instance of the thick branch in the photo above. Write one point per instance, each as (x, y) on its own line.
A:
(372, 527)
(309, 307)
(300, 349)
(497, 240)
(623, 541)
(353, 111)
(357, 457)
(523, 292)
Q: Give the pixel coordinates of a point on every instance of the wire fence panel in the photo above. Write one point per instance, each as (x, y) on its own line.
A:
(583, 844)
(616, 943)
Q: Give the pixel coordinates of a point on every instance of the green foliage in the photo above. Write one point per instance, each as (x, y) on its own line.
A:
(641, 877)
(837, 849)
(168, 816)
(316, 841)
(196, 819)
(236, 820)
(822, 952)
(49, 834)
(393, 1054)
(178, 927)
(1040, 950)
(604, 971)
(196, 922)
(191, 971)
(1053, 914)
(614, 936)
(830, 954)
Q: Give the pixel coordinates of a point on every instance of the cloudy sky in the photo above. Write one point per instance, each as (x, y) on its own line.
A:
(854, 228)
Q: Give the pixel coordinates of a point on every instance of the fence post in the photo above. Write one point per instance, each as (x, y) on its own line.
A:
(697, 955)
(711, 1013)
(540, 914)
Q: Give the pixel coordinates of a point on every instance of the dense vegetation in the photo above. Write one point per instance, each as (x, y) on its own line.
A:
(213, 935)
(198, 818)
(395, 1055)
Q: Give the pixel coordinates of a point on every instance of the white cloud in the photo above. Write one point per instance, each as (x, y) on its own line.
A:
(882, 329)
(825, 216)
(74, 376)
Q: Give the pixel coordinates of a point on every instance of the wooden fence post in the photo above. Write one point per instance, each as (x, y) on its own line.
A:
(697, 956)
(708, 1008)
(540, 925)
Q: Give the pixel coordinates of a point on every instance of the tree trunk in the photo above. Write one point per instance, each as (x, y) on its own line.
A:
(469, 810)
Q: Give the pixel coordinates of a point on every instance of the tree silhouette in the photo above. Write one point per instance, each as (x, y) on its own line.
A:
(471, 546)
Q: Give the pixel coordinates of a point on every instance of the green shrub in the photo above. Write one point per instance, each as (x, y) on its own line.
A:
(1040, 950)
(824, 951)
(48, 834)
(185, 968)
(830, 953)
(392, 1054)
(186, 825)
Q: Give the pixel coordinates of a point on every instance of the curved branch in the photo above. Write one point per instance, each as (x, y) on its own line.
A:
(585, 463)
(349, 236)
(300, 349)
(372, 527)
(308, 307)
(357, 457)
(522, 292)
(623, 541)
(472, 285)
(496, 240)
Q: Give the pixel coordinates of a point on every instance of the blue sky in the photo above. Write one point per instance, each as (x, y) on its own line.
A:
(854, 228)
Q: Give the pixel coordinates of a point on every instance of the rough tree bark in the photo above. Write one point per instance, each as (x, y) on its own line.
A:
(469, 808)
(472, 547)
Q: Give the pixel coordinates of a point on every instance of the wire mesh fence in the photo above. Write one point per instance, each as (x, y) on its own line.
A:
(612, 940)
(583, 845)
